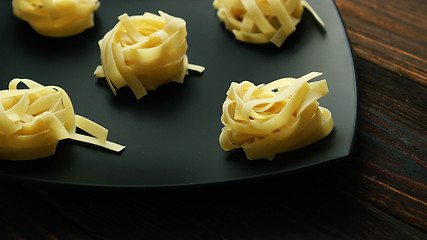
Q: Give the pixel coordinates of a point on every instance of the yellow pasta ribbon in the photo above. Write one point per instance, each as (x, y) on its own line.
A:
(33, 120)
(281, 116)
(262, 21)
(145, 51)
(56, 18)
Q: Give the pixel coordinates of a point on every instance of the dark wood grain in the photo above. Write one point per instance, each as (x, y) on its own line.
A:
(308, 205)
(389, 164)
(389, 33)
(379, 193)
(24, 216)
(389, 40)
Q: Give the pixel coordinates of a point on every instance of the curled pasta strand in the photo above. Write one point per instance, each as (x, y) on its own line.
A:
(143, 52)
(57, 18)
(33, 120)
(281, 116)
(262, 21)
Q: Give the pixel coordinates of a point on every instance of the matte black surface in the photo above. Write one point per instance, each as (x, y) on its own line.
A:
(172, 133)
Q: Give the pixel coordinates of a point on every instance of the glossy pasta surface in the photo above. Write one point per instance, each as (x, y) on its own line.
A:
(33, 120)
(281, 116)
(145, 51)
(57, 18)
(262, 21)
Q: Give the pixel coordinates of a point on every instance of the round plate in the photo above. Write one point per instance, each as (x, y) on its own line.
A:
(171, 135)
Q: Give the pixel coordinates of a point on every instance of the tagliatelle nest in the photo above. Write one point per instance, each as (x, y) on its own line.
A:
(281, 116)
(262, 21)
(145, 51)
(33, 120)
(56, 18)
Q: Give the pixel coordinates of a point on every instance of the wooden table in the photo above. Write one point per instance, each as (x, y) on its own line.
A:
(380, 193)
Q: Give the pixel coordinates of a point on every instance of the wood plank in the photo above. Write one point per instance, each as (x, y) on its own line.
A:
(380, 193)
(307, 205)
(390, 33)
(24, 216)
(389, 165)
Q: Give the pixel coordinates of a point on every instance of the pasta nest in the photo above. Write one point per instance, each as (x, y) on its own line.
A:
(33, 120)
(262, 21)
(144, 52)
(57, 18)
(281, 116)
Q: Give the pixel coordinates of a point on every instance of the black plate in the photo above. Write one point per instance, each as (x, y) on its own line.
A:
(172, 134)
